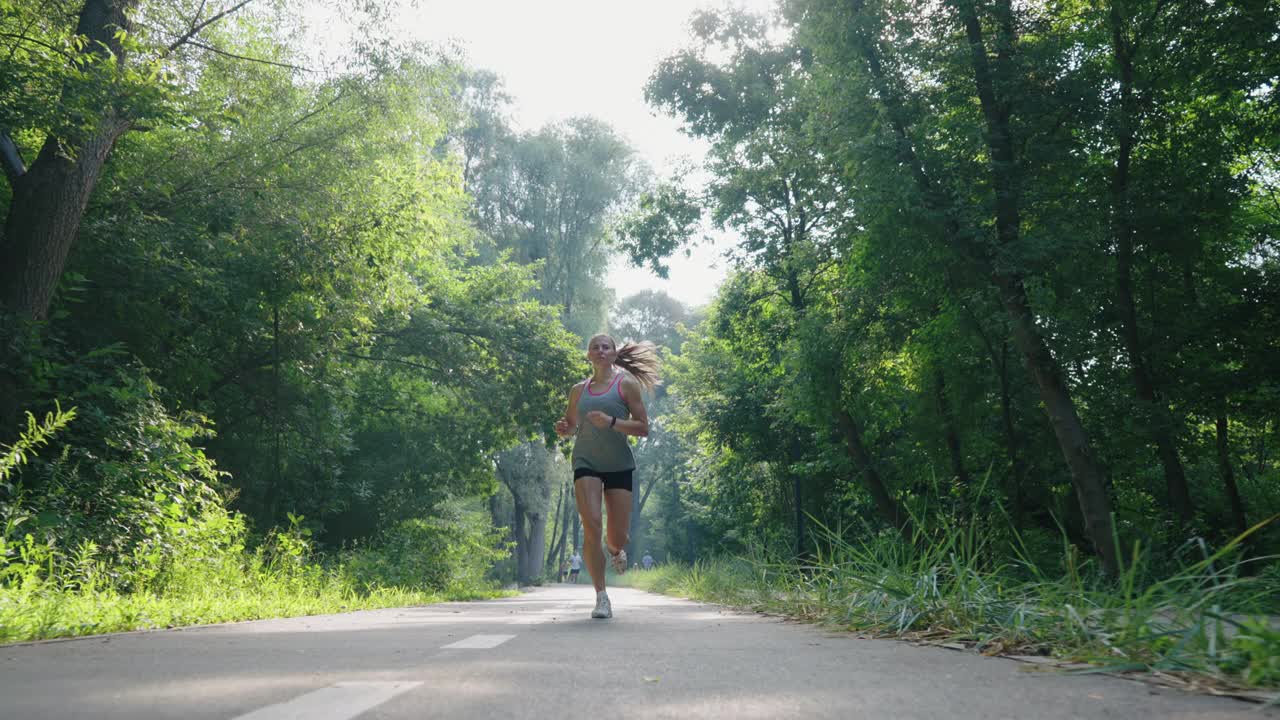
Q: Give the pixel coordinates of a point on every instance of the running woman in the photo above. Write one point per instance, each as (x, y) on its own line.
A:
(603, 410)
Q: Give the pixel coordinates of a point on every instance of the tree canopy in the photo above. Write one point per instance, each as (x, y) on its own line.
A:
(1004, 262)
(985, 254)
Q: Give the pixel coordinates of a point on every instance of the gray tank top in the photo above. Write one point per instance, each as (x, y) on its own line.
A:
(605, 450)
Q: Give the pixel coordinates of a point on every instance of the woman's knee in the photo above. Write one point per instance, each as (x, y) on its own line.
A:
(591, 526)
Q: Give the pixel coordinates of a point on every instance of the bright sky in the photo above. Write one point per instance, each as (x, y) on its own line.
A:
(561, 58)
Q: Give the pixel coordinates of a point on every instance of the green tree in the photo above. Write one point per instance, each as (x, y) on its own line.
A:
(651, 315)
(295, 262)
(84, 79)
(780, 197)
(546, 199)
(986, 60)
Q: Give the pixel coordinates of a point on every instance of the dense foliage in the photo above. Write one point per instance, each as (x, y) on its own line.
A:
(1000, 270)
(1015, 261)
(282, 304)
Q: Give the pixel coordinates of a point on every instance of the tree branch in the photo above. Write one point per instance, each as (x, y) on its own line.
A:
(199, 11)
(41, 43)
(817, 274)
(224, 53)
(397, 361)
(645, 497)
(195, 28)
(14, 168)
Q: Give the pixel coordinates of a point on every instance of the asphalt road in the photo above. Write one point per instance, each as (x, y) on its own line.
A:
(541, 656)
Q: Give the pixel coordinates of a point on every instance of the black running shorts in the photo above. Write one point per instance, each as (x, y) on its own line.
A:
(617, 480)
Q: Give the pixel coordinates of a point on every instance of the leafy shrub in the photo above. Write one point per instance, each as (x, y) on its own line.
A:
(209, 551)
(446, 554)
(128, 488)
(1256, 652)
(189, 562)
(24, 562)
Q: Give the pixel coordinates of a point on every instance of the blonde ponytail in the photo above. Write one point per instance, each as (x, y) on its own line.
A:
(641, 360)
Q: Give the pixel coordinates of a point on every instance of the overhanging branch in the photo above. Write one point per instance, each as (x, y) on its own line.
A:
(34, 41)
(224, 53)
(197, 27)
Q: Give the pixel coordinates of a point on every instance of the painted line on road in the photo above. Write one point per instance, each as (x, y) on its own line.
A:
(340, 701)
(478, 642)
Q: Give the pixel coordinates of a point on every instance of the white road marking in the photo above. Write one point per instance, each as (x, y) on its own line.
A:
(340, 701)
(478, 642)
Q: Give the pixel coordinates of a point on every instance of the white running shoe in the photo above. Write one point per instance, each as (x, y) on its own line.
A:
(603, 610)
(619, 561)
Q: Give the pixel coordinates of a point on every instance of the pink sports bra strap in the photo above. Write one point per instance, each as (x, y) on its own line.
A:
(617, 377)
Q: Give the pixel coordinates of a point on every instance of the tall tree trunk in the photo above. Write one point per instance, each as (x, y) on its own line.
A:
(531, 537)
(555, 532)
(277, 467)
(49, 199)
(1086, 474)
(889, 508)
(1157, 418)
(1014, 489)
(951, 434)
(797, 492)
(640, 521)
(634, 529)
(648, 490)
(577, 529)
(691, 530)
(794, 452)
(1262, 449)
(1238, 518)
(687, 552)
(535, 546)
(520, 552)
(565, 522)
(1017, 469)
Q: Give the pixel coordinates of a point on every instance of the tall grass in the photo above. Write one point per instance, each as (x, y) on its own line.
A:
(1207, 619)
(47, 594)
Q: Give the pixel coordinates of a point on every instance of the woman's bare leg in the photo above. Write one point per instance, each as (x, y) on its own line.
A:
(618, 504)
(587, 491)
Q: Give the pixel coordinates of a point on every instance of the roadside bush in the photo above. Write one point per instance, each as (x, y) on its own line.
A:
(128, 489)
(189, 560)
(451, 554)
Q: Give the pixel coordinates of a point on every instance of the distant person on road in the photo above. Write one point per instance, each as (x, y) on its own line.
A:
(647, 561)
(575, 564)
(603, 410)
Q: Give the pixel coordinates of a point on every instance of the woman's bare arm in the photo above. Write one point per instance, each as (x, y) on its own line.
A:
(638, 425)
(568, 424)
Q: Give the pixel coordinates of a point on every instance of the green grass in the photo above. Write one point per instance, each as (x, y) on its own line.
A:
(51, 613)
(1203, 623)
(48, 594)
(30, 614)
